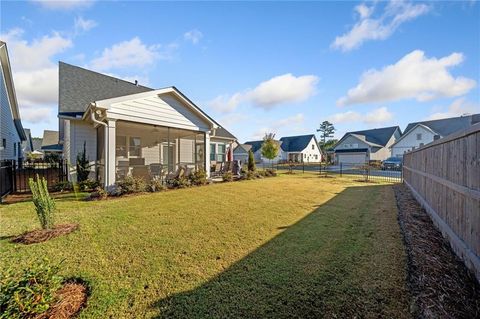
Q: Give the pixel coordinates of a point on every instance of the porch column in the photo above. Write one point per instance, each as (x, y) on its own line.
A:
(207, 153)
(110, 153)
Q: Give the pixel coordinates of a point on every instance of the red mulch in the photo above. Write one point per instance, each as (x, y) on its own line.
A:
(41, 235)
(71, 298)
(440, 283)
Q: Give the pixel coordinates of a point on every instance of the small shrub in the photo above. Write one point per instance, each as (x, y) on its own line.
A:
(44, 204)
(155, 185)
(63, 186)
(180, 182)
(30, 292)
(83, 164)
(251, 161)
(98, 194)
(131, 184)
(270, 172)
(227, 177)
(250, 175)
(88, 185)
(199, 177)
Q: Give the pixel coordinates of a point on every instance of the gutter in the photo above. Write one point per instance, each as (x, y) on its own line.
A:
(92, 116)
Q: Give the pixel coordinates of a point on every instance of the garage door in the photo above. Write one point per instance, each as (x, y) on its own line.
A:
(357, 158)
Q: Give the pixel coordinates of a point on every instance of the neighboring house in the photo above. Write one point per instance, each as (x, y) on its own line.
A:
(11, 131)
(256, 148)
(360, 147)
(241, 152)
(303, 148)
(131, 129)
(27, 145)
(422, 133)
(50, 143)
(37, 143)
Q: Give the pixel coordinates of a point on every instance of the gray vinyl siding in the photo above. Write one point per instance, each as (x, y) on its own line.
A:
(8, 130)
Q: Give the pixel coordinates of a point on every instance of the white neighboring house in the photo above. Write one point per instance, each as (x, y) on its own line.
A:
(360, 147)
(302, 148)
(132, 130)
(419, 134)
(11, 131)
(240, 153)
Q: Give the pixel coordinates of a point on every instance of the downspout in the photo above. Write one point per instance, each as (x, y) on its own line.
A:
(92, 115)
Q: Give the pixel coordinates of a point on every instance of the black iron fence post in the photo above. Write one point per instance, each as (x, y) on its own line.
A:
(341, 167)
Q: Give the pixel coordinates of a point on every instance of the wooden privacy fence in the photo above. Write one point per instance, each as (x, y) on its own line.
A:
(444, 177)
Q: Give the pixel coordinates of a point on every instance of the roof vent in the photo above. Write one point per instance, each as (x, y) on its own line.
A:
(136, 82)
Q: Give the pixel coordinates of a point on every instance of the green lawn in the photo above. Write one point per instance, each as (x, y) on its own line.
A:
(291, 246)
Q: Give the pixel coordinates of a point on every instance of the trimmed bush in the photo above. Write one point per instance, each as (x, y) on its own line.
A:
(63, 186)
(155, 185)
(44, 204)
(199, 177)
(227, 177)
(30, 292)
(88, 185)
(180, 182)
(99, 194)
(270, 172)
(131, 184)
(251, 161)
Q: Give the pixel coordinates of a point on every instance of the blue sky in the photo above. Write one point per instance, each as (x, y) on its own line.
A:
(258, 67)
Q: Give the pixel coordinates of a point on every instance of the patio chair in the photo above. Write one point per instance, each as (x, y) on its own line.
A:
(156, 170)
(174, 175)
(218, 170)
(141, 172)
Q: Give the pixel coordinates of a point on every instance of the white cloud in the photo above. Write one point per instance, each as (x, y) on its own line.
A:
(225, 103)
(83, 25)
(132, 53)
(368, 28)
(292, 124)
(193, 35)
(34, 72)
(458, 107)
(377, 116)
(232, 119)
(413, 77)
(281, 89)
(64, 4)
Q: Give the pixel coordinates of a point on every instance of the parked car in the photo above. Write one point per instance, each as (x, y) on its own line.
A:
(392, 163)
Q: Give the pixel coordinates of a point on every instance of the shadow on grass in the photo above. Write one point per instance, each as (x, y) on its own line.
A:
(315, 268)
(59, 197)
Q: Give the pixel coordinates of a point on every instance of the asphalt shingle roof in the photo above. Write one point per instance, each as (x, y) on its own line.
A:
(243, 147)
(448, 126)
(256, 145)
(379, 136)
(78, 87)
(296, 143)
(50, 140)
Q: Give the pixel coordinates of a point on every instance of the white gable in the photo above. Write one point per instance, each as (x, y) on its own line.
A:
(163, 109)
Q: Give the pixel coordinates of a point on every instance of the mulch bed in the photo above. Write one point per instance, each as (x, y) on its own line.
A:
(71, 298)
(440, 283)
(41, 235)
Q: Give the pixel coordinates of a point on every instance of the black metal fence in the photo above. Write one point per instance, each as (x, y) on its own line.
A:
(16, 174)
(6, 177)
(365, 172)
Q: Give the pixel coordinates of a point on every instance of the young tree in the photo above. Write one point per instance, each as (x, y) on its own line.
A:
(270, 146)
(251, 161)
(326, 130)
(83, 165)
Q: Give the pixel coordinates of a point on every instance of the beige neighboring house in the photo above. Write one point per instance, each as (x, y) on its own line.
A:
(361, 147)
(50, 143)
(133, 130)
(12, 134)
